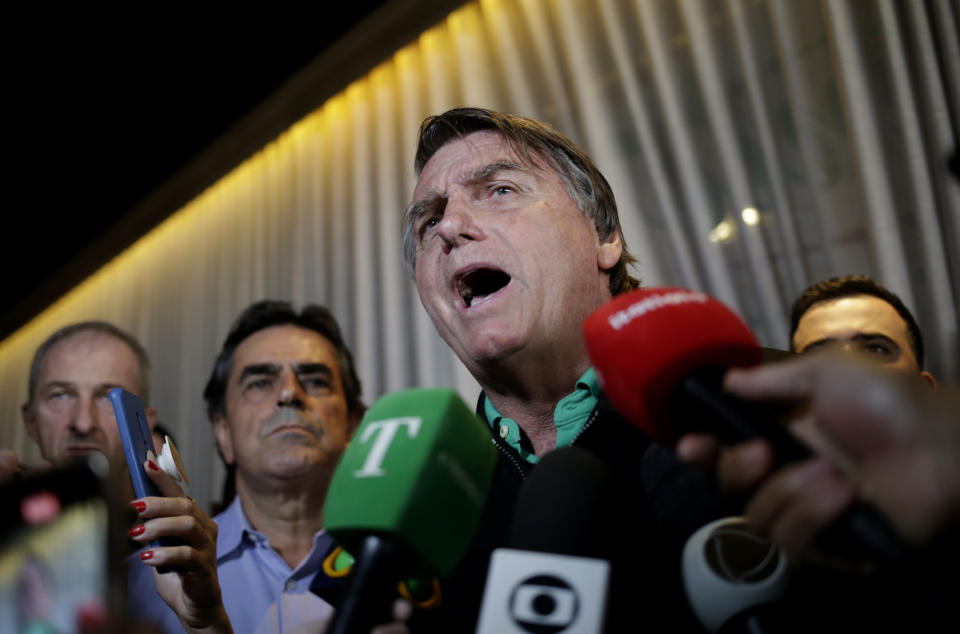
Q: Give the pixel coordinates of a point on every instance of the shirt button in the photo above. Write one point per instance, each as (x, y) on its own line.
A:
(290, 585)
(504, 431)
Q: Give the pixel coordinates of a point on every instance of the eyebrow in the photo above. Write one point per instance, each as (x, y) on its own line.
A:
(273, 369)
(859, 338)
(57, 384)
(256, 369)
(312, 368)
(487, 172)
(480, 175)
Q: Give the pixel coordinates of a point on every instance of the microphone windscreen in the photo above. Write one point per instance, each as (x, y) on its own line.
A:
(729, 570)
(416, 472)
(643, 343)
(567, 505)
(553, 576)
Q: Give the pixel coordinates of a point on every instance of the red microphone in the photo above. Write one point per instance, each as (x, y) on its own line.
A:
(660, 355)
(647, 344)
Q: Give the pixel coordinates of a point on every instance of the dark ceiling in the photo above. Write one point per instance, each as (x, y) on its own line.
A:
(104, 108)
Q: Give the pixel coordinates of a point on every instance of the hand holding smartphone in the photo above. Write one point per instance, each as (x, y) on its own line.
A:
(137, 441)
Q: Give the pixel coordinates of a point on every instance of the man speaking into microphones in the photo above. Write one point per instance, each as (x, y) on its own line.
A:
(513, 238)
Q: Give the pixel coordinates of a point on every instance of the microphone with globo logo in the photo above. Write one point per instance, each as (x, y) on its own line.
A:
(406, 498)
(660, 355)
(553, 576)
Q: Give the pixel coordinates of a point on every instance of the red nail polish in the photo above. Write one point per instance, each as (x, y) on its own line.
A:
(152, 465)
(136, 530)
(139, 506)
(147, 554)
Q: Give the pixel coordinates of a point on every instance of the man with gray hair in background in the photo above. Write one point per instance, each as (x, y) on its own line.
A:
(68, 412)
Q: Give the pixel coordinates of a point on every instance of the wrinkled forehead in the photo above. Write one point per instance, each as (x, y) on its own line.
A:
(458, 160)
(87, 344)
(90, 357)
(285, 345)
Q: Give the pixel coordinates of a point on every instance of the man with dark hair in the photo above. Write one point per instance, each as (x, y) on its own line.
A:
(856, 314)
(513, 238)
(68, 411)
(284, 399)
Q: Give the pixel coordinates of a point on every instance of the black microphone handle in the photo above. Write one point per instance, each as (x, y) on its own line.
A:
(704, 406)
(371, 588)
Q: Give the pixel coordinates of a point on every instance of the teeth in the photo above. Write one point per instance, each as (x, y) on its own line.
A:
(479, 284)
(465, 292)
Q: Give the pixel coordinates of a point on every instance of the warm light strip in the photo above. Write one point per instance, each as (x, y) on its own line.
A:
(149, 250)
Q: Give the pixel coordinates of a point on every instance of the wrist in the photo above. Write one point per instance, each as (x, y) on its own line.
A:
(217, 622)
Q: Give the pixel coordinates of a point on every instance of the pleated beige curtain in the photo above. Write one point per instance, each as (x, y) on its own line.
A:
(753, 146)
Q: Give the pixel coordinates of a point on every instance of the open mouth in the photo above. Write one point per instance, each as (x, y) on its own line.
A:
(477, 285)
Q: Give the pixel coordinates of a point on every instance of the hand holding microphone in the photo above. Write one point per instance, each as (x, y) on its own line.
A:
(900, 440)
(661, 355)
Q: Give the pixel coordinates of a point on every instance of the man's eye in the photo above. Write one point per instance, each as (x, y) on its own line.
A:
(502, 189)
(429, 224)
(876, 348)
(258, 384)
(58, 396)
(314, 383)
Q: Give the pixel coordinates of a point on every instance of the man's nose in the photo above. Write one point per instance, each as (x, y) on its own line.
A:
(86, 417)
(460, 222)
(291, 392)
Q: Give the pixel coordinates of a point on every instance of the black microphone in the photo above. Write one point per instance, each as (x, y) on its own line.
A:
(553, 576)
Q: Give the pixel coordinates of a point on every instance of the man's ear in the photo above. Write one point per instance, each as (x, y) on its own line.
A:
(222, 431)
(609, 251)
(30, 422)
(932, 382)
(152, 417)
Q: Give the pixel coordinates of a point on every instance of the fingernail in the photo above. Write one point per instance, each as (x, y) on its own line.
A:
(139, 506)
(136, 530)
(152, 465)
(147, 554)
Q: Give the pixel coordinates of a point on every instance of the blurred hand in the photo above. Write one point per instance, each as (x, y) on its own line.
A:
(8, 465)
(878, 433)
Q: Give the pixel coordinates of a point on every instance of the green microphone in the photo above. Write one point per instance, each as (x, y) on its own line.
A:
(407, 496)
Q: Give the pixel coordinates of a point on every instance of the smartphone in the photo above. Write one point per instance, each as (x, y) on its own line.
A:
(137, 440)
(59, 551)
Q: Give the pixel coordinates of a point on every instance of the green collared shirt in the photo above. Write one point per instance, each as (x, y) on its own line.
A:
(569, 416)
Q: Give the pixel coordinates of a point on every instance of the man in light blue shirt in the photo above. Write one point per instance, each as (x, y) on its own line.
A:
(284, 399)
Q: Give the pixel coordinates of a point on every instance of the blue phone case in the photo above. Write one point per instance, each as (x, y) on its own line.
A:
(137, 440)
